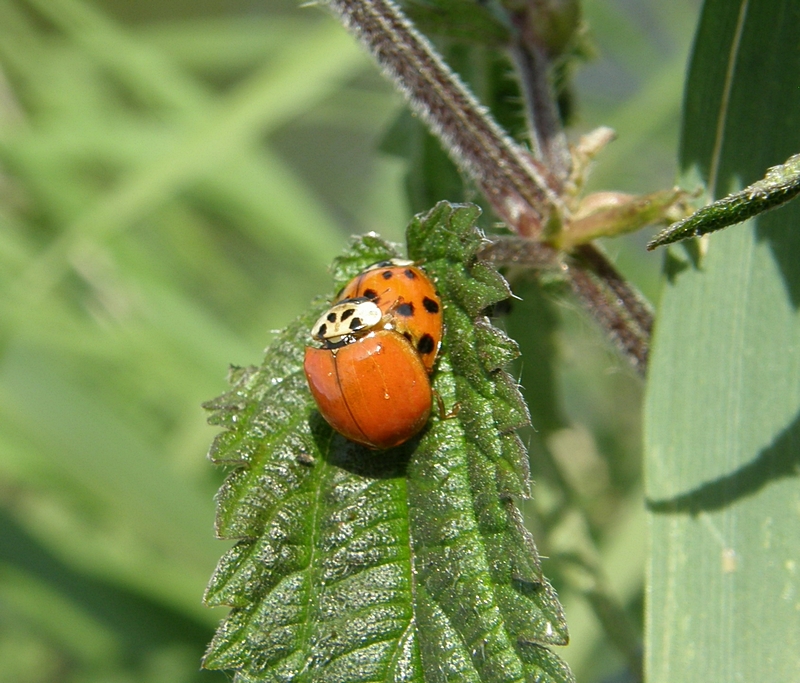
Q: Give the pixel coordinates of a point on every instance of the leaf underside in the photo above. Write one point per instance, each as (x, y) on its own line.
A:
(410, 564)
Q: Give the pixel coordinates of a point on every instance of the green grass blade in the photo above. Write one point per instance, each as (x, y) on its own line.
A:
(723, 403)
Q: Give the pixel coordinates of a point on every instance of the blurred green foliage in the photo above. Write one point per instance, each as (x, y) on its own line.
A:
(175, 178)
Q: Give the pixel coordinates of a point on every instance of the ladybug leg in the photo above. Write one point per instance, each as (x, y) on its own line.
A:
(443, 413)
(397, 321)
(395, 305)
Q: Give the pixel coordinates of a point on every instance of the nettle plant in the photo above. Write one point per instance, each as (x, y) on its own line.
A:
(414, 563)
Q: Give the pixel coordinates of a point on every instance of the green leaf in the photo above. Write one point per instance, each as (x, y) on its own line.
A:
(723, 399)
(409, 564)
(780, 185)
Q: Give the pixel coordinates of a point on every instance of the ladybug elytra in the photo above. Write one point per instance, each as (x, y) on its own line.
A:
(404, 291)
(379, 344)
(375, 391)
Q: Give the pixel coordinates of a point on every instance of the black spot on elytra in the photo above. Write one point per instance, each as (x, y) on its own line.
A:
(406, 310)
(371, 294)
(410, 274)
(331, 317)
(425, 344)
(430, 305)
(347, 314)
(386, 274)
(407, 335)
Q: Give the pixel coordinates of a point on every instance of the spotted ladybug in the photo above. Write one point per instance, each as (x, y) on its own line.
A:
(373, 389)
(346, 319)
(379, 342)
(404, 291)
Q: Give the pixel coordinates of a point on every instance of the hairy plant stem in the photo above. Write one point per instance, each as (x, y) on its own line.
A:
(625, 316)
(522, 190)
(547, 134)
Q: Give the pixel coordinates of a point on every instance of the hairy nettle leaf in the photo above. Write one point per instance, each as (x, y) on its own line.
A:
(410, 564)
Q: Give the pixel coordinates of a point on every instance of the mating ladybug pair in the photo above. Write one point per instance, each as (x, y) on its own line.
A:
(379, 341)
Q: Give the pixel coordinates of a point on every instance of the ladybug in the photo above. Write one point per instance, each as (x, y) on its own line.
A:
(402, 290)
(346, 319)
(373, 389)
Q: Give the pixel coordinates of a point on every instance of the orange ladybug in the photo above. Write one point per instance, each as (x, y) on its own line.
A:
(373, 389)
(404, 291)
(346, 319)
